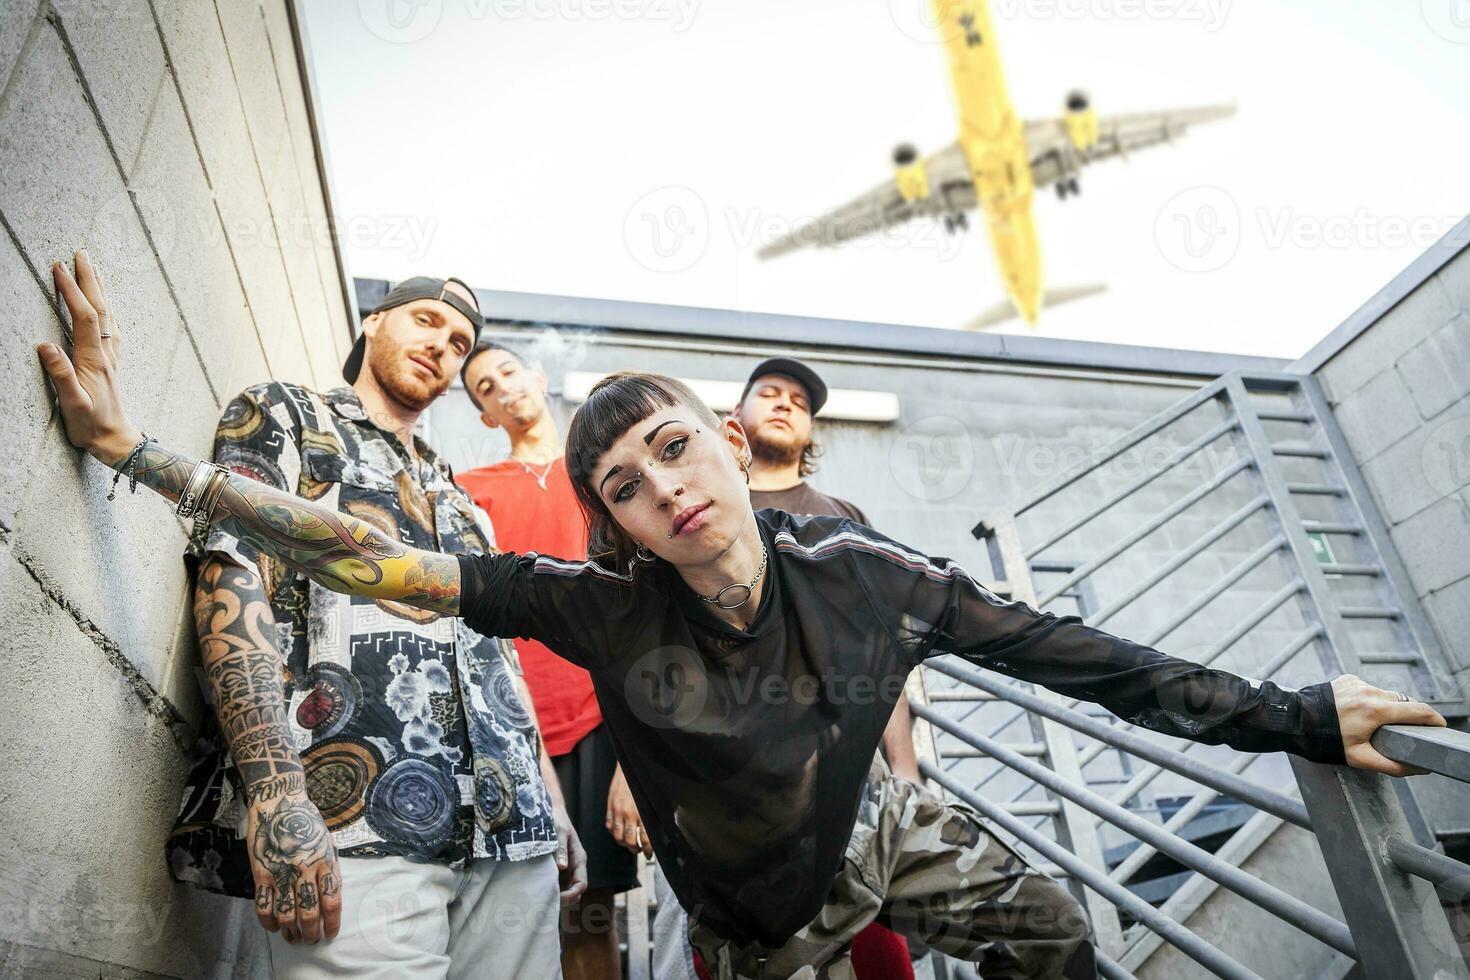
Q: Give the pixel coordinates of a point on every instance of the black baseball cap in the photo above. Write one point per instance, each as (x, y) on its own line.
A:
(419, 287)
(816, 389)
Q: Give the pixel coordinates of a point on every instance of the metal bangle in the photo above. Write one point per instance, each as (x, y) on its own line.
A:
(189, 499)
(204, 513)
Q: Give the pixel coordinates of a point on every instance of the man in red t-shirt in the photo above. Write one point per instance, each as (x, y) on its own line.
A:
(532, 507)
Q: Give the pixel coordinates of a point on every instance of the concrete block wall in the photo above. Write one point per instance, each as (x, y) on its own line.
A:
(1401, 393)
(170, 138)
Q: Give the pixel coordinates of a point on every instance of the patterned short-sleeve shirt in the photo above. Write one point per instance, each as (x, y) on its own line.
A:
(412, 735)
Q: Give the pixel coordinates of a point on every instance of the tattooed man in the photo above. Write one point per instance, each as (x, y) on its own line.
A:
(378, 767)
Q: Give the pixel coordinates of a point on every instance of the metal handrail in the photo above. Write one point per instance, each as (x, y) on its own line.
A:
(1433, 866)
(1242, 789)
(1148, 527)
(1442, 750)
(1290, 909)
(1185, 941)
(1138, 434)
(1372, 850)
(1180, 456)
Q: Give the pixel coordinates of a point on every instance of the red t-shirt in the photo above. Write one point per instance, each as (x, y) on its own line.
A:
(529, 518)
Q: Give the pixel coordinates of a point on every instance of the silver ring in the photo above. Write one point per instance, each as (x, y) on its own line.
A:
(105, 335)
(1400, 696)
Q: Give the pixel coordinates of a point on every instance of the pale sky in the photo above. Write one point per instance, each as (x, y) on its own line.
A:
(643, 150)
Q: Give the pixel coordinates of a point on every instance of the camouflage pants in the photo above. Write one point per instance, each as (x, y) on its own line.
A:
(932, 871)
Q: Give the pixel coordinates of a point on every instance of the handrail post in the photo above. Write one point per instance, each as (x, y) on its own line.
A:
(1076, 827)
(1401, 931)
(917, 693)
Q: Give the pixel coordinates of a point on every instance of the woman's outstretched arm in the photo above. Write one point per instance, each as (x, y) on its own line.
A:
(339, 552)
(937, 608)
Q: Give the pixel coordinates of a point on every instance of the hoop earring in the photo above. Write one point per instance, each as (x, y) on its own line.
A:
(643, 554)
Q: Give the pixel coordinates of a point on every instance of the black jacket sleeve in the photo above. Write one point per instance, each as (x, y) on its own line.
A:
(933, 606)
(570, 606)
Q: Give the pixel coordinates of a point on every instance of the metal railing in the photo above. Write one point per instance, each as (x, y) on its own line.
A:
(1286, 573)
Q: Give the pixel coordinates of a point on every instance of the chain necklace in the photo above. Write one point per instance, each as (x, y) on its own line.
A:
(540, 477)
(749, 589)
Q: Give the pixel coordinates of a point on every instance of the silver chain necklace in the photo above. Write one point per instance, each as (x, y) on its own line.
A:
(540, 477)
(749, 589)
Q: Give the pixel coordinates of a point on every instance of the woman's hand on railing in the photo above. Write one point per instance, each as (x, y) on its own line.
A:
(1362, 709)
(86, 382)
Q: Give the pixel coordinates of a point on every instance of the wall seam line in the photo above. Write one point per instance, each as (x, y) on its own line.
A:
(155, 704)
(265, 192)
(76, 65)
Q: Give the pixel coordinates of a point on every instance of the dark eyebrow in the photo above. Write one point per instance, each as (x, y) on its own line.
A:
(646, 440)
(649, 438)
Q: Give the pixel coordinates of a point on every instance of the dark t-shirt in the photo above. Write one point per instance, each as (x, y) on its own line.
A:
(746, 751)
(806, 499)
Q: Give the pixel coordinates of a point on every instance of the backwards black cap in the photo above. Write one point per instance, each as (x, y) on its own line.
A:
(816, 389)
(419, 287)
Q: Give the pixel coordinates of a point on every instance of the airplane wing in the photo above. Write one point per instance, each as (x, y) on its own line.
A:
(951, 189)
(1006, 310)
(1054, 157)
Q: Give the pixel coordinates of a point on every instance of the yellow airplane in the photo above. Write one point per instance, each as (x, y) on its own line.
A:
(996, 164)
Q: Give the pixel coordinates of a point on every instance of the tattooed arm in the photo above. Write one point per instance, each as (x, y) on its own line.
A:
(339, 552)
(298, 885)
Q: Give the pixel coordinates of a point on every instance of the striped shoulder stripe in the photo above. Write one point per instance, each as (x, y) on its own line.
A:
(852, 538)
(560, 566)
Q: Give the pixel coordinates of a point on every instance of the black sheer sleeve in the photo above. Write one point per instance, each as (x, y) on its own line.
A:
(934, 607)
(567, 605)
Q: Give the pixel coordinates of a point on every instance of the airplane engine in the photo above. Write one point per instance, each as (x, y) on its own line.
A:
(913, 180)
(1081, 121)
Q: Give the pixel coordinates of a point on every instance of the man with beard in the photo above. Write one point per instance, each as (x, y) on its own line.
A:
(375, 783)
(532, 507)
(777, 410)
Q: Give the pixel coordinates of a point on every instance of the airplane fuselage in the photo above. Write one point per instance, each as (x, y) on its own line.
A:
(993, 141)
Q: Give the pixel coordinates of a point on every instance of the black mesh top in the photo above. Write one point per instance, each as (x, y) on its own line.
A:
(746, 751)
